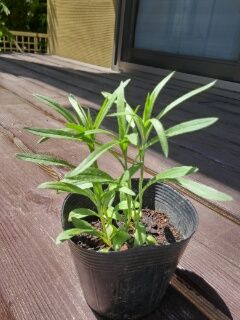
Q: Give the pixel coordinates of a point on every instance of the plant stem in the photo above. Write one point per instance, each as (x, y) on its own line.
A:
(129, 186)
(140, 188)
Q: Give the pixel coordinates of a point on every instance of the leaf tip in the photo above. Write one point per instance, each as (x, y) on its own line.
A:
(58, 240)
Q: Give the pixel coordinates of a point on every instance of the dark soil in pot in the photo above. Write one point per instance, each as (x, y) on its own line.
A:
(157, 224)
(130, 284)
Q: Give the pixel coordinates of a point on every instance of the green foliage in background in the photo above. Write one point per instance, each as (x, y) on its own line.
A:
(4, 12)
(27, 15)
(115, 204)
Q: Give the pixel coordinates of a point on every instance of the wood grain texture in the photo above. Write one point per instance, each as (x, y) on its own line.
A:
(38, 280)
(222, 164)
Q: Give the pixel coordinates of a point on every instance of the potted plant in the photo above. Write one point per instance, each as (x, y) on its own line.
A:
(126, 235)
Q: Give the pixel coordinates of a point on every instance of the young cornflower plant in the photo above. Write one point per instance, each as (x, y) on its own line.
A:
(116, 205)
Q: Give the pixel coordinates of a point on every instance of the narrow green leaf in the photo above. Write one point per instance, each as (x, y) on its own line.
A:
(106, 94)
(56, 106)
(104, 250)
(137, 120)
(44, 159)
(184, 98)
(151, 240)
(190, 126)
(80, 184)
(55, 133)
(132, 138)
(151, 99)
(203, 190)
(110, 230)
(130, 172)
(79, 110)
(171, 174)
(93, 175)
(129, 117)
(76, 127)
(89, 117)
(123, 205)
(107, 104)
(121, 108)
(161, 135)
(43, 139)
(92, 157)
(123, 113)
(67, 187)
(139, 235)
(68, 234)
(85, 226)
(127, 191)
(119, 239)
(99, 131)
(108, 196)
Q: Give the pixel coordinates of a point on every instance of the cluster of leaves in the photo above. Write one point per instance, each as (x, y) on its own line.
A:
(4, 12)
(27, 15)
(117, 206)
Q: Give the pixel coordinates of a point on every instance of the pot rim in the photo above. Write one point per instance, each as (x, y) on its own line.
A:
(142, 247)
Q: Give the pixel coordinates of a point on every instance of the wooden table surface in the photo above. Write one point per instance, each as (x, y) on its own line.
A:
(37, 278)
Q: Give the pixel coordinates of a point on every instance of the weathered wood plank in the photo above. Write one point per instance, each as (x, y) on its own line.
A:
(159, 162)
(40, 278)
(182, 154)
(34, 117)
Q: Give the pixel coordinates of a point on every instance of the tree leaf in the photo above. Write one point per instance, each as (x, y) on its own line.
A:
(184, 98)
(139, 235)
(119, 239)
(190, 126)
(171, 174)
(161, 135)
(151, 98)
(90, 159)
(57, 107)
(4, 8)
(55, 133)
(203, 190)
(79, 110)
(43, 159)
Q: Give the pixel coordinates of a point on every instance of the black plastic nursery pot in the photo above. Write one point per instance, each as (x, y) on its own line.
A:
(130, 284)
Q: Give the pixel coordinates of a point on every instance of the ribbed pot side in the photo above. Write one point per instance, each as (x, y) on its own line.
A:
(130, 284)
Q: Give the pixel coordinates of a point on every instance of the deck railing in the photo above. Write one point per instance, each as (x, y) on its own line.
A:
(24, 42)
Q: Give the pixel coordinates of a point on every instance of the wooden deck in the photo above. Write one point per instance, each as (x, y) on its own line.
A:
(37, 278)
